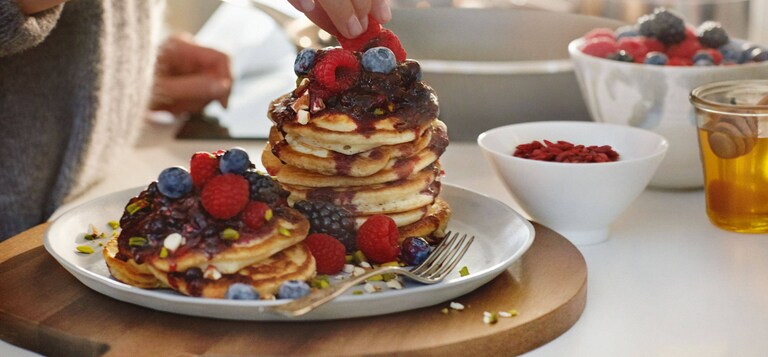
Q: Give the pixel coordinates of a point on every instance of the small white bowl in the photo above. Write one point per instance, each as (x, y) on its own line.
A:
(578, 200)
(654, 98)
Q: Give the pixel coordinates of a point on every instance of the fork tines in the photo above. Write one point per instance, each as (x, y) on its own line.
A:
(445, 256)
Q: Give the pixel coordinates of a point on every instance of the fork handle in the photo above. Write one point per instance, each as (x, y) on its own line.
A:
(309, 302)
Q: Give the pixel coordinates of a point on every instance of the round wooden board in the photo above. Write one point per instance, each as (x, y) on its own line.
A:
(45, 309)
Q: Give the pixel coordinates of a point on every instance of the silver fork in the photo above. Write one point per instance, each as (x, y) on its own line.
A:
(433, 270)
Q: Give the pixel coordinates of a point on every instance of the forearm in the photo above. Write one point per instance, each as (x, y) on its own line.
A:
(29, 7)
(19, 30)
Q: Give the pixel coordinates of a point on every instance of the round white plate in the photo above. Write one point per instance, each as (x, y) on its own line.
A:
(501, 237)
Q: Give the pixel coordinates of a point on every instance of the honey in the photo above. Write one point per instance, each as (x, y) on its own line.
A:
(737, 188)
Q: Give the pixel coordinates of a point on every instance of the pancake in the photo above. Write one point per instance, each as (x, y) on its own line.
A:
(250, 248)
(129, 272)
(293, 263)
(432, 226)
(395, 169)
(294, 152)
(340, 132)
(418, 190)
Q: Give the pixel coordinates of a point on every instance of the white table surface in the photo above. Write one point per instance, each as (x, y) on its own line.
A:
(666, 282)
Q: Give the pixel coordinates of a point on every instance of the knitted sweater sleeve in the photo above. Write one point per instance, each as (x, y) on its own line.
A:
(19, 32)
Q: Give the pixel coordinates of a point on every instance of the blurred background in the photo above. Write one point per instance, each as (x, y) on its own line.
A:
(743, 18)
(506, 62)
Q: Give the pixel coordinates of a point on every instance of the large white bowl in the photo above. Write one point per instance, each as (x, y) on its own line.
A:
(654, 98)
(579, 201)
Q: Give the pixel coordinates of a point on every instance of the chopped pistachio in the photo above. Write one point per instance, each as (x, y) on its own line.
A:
(464, 271)
(490, 318)
(359, 257)
(391, 106)
(268, 214)
(512, 312)
(357, 292)
(114, 224)
(230, 234)
(137, 241)
(390, 264)
(378, 111)
(349, 258)
(375, 278)
(136, 206)
(320, 282)
(284, 231)
(85, 249)
(163, 252)
(444, 311)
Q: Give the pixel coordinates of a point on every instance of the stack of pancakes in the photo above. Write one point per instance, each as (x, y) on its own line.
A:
(384, 163)
(202, 263)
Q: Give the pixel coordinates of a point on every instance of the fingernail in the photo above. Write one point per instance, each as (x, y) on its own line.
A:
(354, 27)
(364, 23)
(219, 88)
(384, 11)
(307, 5)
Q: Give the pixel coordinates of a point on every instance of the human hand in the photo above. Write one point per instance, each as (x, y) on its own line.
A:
(348, 18)
(189, 76)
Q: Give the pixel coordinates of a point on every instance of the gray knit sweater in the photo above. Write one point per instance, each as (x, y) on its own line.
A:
(74, 85)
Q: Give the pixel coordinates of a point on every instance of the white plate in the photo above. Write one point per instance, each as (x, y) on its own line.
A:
(502, 236)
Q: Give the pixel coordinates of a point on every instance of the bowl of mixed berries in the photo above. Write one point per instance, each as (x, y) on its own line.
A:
(642, 75)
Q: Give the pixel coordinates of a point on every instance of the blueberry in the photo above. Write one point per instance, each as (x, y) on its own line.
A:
(293, 289)
(748, 52)
(703, 62)
(304, 61)
(702, 56)
(234, 161)
(731, 52)
(760, 55)
(626, 31)
(240, 291)
(174, 182)
(379, 59)
(656, 58)
(414, 250)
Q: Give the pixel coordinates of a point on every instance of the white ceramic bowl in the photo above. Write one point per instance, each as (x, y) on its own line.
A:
(654, 98)
(579, 201)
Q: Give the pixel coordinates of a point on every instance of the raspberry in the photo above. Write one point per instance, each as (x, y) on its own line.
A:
(634, 47)
(388, 39)
(357, 43)
(601, 32)
(255, 214)
(224, 196)
(600, 47)
(679, 61)
(685, 49)
(337, 69)
(377, 239)
(653, 45)
(328, 253)
(203, 166)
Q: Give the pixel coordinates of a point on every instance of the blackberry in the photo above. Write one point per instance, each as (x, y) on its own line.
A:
(328, 218)
(662, 25)
(712, 35)
(621, 56)
(264, 188)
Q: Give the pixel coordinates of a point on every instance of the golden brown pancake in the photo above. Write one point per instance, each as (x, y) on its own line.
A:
(129, 272)
(432, 226)
(293, 263)
(396, 169)
(294, 152)
(250, 248)
(418, 190)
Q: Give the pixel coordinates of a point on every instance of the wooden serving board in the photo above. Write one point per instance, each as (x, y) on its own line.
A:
(45, 309)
